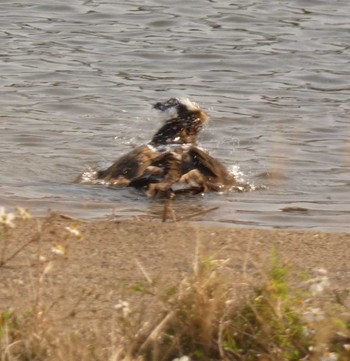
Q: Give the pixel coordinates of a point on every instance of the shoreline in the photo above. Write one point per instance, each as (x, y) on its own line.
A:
(161, 245)
(72, 277)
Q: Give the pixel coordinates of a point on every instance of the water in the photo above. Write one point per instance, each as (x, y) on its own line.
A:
(77, 80)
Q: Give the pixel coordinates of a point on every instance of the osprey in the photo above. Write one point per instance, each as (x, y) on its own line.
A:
(171, 157)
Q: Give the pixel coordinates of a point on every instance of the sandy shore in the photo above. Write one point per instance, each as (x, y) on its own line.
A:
(68, 282)
(108, 254)
(69, 277)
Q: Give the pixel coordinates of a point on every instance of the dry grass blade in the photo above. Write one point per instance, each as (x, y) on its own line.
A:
(200, 213)
(168, 209)
(69, 218)
(144, 272)
(157, 331)
(35, 238)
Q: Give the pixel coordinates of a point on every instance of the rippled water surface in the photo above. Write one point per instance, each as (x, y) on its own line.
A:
(78, 79)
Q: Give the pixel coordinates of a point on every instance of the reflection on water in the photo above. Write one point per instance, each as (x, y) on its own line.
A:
(77, 81)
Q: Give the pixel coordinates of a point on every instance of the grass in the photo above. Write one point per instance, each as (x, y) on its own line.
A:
(201, 317)
(204, 321)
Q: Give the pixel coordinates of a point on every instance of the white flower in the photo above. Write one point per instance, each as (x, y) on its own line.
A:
(320, 271)
(182, 358)
(308, 331)
(74, 231)
(314, 315)
(319, 282)
(124, 307)
(59, 250)
(329, 356)
(42, 258)
(23, 213)
(6, 218)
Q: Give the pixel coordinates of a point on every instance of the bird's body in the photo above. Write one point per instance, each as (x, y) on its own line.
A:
(171, 157)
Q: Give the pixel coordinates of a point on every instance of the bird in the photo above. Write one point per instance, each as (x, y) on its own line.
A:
(172, 157)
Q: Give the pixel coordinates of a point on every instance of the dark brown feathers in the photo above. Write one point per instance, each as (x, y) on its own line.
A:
(171, 157)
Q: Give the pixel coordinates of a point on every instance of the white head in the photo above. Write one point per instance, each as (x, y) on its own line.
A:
(175, 107)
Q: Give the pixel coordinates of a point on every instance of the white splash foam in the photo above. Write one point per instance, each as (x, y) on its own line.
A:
(242, 184)
(236, 171)
(89, 176)
(189, 104)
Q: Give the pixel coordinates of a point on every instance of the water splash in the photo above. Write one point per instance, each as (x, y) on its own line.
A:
(89, 177)
(242, 184)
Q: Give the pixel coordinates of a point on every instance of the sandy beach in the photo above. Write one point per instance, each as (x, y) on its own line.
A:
(68, 279)
(102, 255)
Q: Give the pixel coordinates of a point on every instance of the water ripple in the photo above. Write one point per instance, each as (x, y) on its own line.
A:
(78, 79)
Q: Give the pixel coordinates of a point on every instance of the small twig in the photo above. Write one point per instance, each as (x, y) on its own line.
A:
(196, 262)
(157, 330)
(165, 211)
(14, 254)
(205, 211)
(246, 258)
(55, 302)
(168, 208)
(70, 218)
(82, 297)
(144, 272)
(222, 324)
(7, 349)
